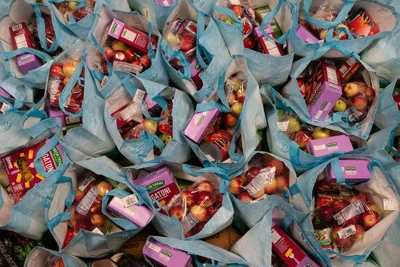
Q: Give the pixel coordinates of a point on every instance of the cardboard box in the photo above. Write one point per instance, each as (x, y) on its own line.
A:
(355, 171)
(136, 244)
(138, 214)
(28, 62)
(268, 46)
(129, 35)
(326, 146)
(202, 124)
(304, 34)
(163, 255)
(349, 69)
(225, 239)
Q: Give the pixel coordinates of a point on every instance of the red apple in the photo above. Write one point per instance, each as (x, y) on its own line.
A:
(354, 220)
(199, 213)
(130, 54)
(218, 199)
(302, 139)
(120, 56)
(205, 199)
(342, 243)
(339, 204)
(68, 237)
(229, 120)
(302, 87)
(145, 60)
(359, 234)
(238, 10)
(197, 228)
(282, 181)
(252, 173)
(109, 53)
(351, 89)
(370, 94)
(104, 187)
(70, 67)
(245, 197)
(241, 96)
(369, 219)
(325, 214)
(270, 188)
(277, 164)
(359, 102)
(176, 212)
(236, 185)
(78, 196)
(249, 43)
(56, 71)
(205, 186)
(212, 210)
(98, 220)
(96, 206)
(187, 43)
(188, 197)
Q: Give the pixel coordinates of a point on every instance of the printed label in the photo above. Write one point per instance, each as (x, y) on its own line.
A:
(129, 35)
(324, 236)
(189, 222)
(85, 183)
(283, 125)
(154, 247)
(127, 67)
(87, 201)
(260, 181)
(130, 200)
(390, 204)
(275, 236)
(347, 231)
(349, 212)
(319, 147)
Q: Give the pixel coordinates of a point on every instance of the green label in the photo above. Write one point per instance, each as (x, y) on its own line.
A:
(56, 156)
(166, 253)
(156, 185)
(114, 27)
(350, 168)
(331, 144)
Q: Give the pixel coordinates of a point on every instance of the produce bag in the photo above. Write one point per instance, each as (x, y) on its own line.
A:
(264, 175)
(142, 56)
(282, 236)
(195, 252)
(201, 209)
(194, 51)
(40, 257)
(292, 136)
(88, 215)
(352, 193)
(144, 119)
(351, 25)
(388, 110)
(258, 30)
(346, 94)
(28, 58)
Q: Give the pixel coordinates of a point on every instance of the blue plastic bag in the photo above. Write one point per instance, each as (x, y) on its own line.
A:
(170, 226)
(157, 71)
(292, 92)
(387, 22)
(283, 146)
(40, 257)
(196, 248)
(85, 243)
(380, 186)
(256, 245)
(211, 53)
(267, 69)
(388, 112)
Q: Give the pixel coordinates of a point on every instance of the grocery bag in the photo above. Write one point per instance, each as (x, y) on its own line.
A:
(190, 228)
(382, 191)
(388, 109)
(280, 144)
(98, 36)
(266, 68)
(202, 253)
(12, 131)
(139, 145)
(198, 73)
(292, 92)
(40, 256)
(85, 243)
(383, 15)
(260, 236)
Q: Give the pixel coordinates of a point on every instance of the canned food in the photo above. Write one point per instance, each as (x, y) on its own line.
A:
(217, 145)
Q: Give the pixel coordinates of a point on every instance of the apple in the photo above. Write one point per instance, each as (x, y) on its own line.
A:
(98, 220)
(70, 67)
(199, 213)
(302, 139)
(120, 56)
(172, 39)
(56, 71)
(369, 219)
(73, 5)
(340, 105)
(79, 195)
(187, 43)
(119, 46)
(145, 61)
(359, 102)
(271, 188)
(188, 197)
(68, 237)
(362, 87)
(212, 210)
(65, 81)
(339, 204)
(245, 197)
(302, 87)
(277, 164)
(229, 120)
(236, 185)
(197, 228)
(320, 133)
(252, 173)
(359, 234)
(370, 94)
(104, 187)
(218, 199)
(282, 181)
(58, 263)
(237, 109)
(325, 214)
(293, 125)
(130, 54)
(353, 220)
(238, 10)
(96, 206)
(150, 126)
(249, 43)
(322, 34)
(241, 96)
(205, 199)
(259, 194)
(205, 186)
(232, 100)
(342, 243)
(373, 207)
(109, 53)
(351, 89)
(176, 212)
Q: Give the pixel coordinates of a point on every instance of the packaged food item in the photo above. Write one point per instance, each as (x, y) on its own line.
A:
(361, 24)
(126, 208)
(304, 34)
(129, 35)
(349, 69)
(326, 146)
(217, 145)
(163, 255)
(268, 46)
(261, 12)
(78, 10)
(355, 171)
(202, 124)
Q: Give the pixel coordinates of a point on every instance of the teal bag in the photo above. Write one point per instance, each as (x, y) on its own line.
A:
(212, 54)
(256, 245)
(380, 186)
(292, 92)
(217, 255)
(267, 69)
(87, 244)
(142, 150)
(283, 146)
(388, 112)
(170, 226)
(388, 21)
(253, 212)
(40, 257)
(157, 71)
(11, 130)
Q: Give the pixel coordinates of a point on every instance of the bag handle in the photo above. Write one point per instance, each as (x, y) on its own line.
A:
(267, 19)
(201, 24)
(224, 182)
(338, 171)
(10, 54)
(169, 53)
(41, 29)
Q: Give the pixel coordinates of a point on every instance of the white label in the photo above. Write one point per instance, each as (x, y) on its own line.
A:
(283, 125)
(129, 35)
(154, 247)
(52, 87)
(85, 183)
(87, 201)
(390, 204)
(318, 115)
(349, 212)
(319, 147)
(97, 231)
(17, 27)
(347, 231)
(71, 120)
(20, 41)
(332, 76)
(275, 236)
(260, 181)
(130, 200)
(189, 222)
(132, 111)
(139, 96)
(127, 67)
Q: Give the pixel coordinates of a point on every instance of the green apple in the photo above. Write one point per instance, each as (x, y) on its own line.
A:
(293, 125)
(119, 46)
(236, 109)
(340, 105)
(320, 133)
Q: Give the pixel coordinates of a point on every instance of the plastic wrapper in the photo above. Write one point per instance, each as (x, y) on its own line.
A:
(75, 9)
(195, 206)
(235, 91)
(264, 176)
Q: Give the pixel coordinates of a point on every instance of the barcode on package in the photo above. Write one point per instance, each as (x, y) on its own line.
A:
(260, 181)
(349, 212)
(87, 201)
(86, 182)
(130, 200)
(189, 222)
(347, 231)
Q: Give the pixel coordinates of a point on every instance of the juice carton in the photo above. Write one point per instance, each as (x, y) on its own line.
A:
(268, 46)
(326, 146)
(355, 171)
(163, 255)
(202, 124)
(129, 35)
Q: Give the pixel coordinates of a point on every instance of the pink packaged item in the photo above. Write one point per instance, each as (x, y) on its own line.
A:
(326, 146)
(138, 214)
(355, 171)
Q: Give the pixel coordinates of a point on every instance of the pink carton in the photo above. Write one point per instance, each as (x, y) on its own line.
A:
(304, 34)
(4, 93)
(355, 171)
(66, 121)
(138, 214)
(165, 256)
(28, 62)
(268, 46)
(164, 2)
(326, 146)
(129, 35)
(202, 124)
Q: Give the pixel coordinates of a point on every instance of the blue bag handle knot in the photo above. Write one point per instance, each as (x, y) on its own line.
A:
(329, 35)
